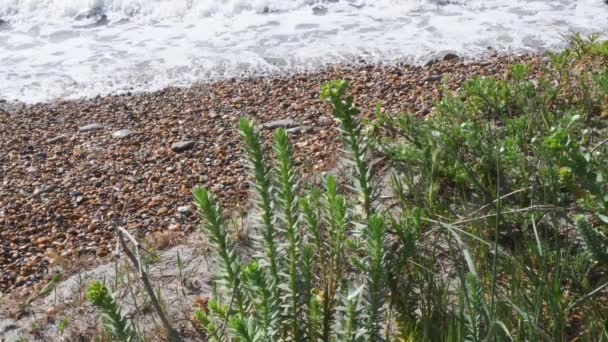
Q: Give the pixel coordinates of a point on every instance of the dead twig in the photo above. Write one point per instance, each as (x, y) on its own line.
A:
(496, 200)
(599, 145)
(135, 259)
(533, 208)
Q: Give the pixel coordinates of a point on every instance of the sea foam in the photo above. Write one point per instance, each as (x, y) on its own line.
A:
(53, 49)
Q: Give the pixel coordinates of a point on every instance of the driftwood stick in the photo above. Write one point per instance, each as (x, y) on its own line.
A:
(143, 276)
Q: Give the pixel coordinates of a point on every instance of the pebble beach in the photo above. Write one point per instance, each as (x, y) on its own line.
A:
(61, 162)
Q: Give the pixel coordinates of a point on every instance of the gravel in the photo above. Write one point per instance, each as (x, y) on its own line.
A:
(56, 185)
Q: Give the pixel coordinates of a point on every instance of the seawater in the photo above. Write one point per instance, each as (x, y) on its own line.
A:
(51, 49)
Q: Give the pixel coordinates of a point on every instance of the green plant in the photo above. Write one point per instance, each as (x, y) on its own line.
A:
(36, 327)
(310, 242)
(118, 325)
(345, 111)
(48, 288)
(593, 240)
(63, 324)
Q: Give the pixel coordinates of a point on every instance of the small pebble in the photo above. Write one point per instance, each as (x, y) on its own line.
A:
(90, 127)
(301, 129)
(433, 78)
(56, 139)
(181, 146)
(123, 133)
(450, 57)
(284, 123)
(184, 210)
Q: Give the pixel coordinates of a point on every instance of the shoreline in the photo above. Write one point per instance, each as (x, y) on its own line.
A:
(433, 58)
(63, 161)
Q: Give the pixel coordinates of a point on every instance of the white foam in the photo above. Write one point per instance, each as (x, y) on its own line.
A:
(50, 49)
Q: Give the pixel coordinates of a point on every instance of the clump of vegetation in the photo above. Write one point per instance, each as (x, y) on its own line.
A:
(510, 168)
(489, 222)
(319, 274)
